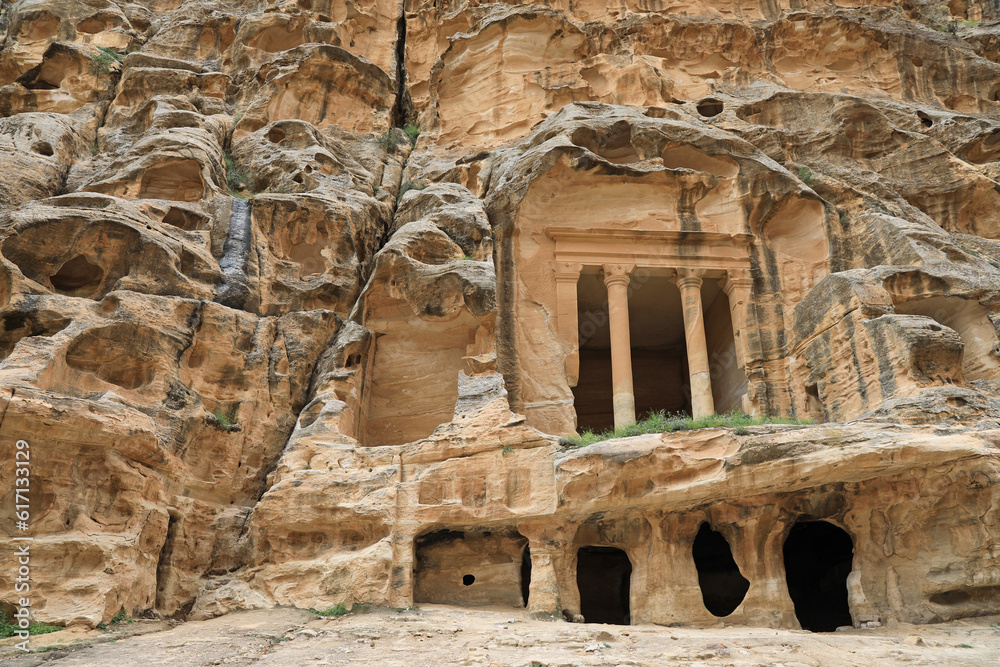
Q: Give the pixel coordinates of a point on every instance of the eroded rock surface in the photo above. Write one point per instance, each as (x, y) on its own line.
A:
(299, 302)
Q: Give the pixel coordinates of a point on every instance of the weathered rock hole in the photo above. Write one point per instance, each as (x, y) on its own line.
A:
(78, 277)
(957, 402)
(43, 148)
(41, 25)
(186, 220)
(91, 25)
(179, 181)
(689, 157)
(723, 586)
(16, 326)
(818, 557)
(120, 354)
(614, 145)
(976, 596)
(297, 179)
(275, 135)
(710, 107)
(468, 580)
(603, 575)
(925, 120)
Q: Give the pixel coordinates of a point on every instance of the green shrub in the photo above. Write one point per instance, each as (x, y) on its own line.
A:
(102, 62)
(661, 422)
(806, 176)
(237, 179)
(412, 131)
(336, 610)
(8, 628)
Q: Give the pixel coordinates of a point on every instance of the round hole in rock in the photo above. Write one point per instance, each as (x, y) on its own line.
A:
(43, 148)
(468, 580)
(603, 575)
(709, 107)
(275, 135)
(77, 277)
(723, 586)
(925, 120)
(818, 557)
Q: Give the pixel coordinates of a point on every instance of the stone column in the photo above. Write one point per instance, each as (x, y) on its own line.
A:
(567, 317)
(689, 282)
(738, 288)
(616, 277)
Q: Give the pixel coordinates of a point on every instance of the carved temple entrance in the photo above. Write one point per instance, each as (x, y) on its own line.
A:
(655, 319)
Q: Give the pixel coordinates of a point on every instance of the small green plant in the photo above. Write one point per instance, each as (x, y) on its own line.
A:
(225, 421)
(507, 449)
(741, 430)
(9, 629)
(237, 179)
(94, 148)
(407, 186)
(103, 61)
(339, 609)
(467, 258)
(661, 422)
(119, 619)
(412, 131)
(806, 176)
(964, 646)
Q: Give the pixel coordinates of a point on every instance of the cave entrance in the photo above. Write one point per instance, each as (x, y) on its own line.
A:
(723, 586)
(525, 575)
(818, 558)
(603, 576)
(660, 373)
(470, 568)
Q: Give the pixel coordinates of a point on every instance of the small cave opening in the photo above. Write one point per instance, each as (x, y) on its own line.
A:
(469, 568)
(526, 575)
(603, 575)
(710, 107)
(925, 120)
(818, 557)
(43, 148)
(723, 586)
(814, 405)
(77, 277)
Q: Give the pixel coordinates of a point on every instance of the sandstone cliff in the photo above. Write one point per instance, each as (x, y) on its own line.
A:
(301, 299)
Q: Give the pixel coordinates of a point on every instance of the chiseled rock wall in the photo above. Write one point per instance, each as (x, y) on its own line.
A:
(269, 346)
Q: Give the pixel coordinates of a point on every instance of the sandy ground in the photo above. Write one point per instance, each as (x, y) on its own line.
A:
(436, 635)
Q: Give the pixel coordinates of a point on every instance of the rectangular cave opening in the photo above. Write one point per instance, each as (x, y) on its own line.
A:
(660, 372)
(410, 384)
(604, 576)
(471, 568)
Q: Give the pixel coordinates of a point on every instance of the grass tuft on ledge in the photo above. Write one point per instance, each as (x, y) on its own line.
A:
(661, 422)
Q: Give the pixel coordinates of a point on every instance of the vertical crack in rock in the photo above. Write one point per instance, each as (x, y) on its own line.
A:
(234, 289)
(402, 110)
